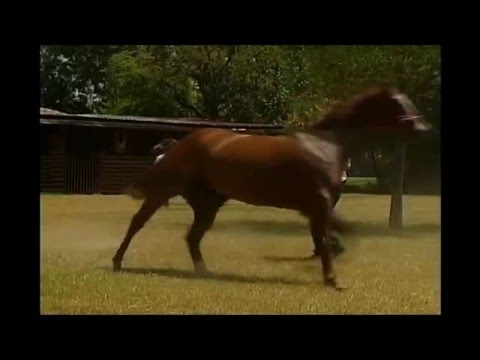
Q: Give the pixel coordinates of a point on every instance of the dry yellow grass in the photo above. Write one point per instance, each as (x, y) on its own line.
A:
(253, 252)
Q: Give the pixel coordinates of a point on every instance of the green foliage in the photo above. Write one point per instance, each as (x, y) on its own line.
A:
(233, 83)
(72, 78)
(136, 84)
(237, 83)
(253, 257)
(338, 72)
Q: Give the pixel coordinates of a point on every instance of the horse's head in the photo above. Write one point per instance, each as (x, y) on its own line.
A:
(163, 146)
(380, 111)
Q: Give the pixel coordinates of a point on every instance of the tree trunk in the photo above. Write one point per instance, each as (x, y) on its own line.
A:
(378, 173)
(396, 200)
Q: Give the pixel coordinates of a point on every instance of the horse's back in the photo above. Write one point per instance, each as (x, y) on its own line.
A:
(225, 146)
(256, 169)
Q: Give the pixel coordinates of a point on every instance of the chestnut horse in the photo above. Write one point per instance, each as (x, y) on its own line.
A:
(300, 172)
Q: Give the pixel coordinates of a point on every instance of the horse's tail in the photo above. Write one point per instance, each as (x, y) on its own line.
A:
(138, 188)
(155, 181)
(134, 191)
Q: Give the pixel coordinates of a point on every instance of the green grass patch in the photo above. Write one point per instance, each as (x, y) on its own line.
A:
(255, 255)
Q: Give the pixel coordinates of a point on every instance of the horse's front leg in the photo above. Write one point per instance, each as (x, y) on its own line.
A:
(337, 246)
(320, 228)
(138, 220)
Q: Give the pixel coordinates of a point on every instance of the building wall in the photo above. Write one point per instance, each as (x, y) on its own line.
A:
(89, 160)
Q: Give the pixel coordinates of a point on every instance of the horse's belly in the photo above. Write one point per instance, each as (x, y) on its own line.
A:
(258, 189)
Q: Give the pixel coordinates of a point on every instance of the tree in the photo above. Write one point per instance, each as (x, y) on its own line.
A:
(72, 78)
(141, 81)
(396, 200)
(232, 83)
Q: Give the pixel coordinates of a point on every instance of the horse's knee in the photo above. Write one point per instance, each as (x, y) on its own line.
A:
(140, 218)
(325, 200)
(196, 232)
(208, 223)
(136, 223)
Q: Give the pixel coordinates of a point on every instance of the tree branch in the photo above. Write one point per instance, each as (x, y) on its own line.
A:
(180, 99)
(231, 52)
(185, 104)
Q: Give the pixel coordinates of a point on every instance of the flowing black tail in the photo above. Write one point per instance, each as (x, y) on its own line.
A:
(139, 186)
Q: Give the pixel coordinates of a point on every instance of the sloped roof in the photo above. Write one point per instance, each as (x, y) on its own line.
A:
(47, 111)
(53, 117)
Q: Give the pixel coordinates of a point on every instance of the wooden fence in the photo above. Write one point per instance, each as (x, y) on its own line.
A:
(52, 173)
(90, 174)
(116, 171)
(81, 174)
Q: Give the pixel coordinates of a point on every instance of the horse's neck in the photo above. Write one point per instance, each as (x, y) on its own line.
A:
(335, 126)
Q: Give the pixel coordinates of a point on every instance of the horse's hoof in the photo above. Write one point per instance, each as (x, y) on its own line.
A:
(340, 287)
(202, 271)
(117, 266)
(332, 282)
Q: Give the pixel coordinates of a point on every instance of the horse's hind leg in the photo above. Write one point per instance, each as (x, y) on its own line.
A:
(205, 205)
(148, 208)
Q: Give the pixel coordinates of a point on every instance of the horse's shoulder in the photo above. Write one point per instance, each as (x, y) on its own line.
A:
(323, 155)
(319, 148)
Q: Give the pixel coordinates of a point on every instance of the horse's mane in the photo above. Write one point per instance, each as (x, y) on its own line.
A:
(339, 115)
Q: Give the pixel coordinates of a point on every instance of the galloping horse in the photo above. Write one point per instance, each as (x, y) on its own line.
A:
(300, 172)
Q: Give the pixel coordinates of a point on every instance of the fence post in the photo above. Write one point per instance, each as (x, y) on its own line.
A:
(396, 199)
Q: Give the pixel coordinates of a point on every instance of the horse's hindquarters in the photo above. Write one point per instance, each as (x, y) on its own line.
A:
(134, 192)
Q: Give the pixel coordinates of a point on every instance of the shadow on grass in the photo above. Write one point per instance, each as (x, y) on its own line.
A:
(263, 226)
(409, 231)
(290, 228)
(305, 259)
(280, 228)
(190, 274)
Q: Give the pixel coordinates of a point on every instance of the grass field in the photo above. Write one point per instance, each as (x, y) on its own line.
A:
(254, 253)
